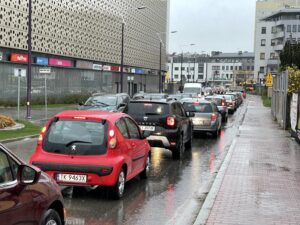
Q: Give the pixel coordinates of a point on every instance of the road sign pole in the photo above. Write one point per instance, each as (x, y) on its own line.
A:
(19, 84)
(46, 107)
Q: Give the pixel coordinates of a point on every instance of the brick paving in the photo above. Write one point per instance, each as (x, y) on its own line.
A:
(261, 184)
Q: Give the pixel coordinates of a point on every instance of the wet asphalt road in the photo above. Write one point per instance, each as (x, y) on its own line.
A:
(169, 195)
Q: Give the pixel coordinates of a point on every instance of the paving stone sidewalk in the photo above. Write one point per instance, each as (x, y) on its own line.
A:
(261, 181)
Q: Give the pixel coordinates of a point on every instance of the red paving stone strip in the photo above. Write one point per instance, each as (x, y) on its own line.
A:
(261, 184)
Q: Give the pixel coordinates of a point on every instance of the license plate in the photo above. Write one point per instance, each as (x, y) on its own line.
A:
(148, 128)
(74, 178)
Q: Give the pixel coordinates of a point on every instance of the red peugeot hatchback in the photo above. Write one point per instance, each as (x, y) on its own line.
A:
(92, 148)
(27, 195)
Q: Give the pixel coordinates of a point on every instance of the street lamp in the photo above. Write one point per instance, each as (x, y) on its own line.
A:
(122, 48)
(181, 59)
(28, 103)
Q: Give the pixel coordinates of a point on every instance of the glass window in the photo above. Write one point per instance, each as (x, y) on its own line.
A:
(176, 68)
(262, 55)
(263, 30)
(261, 69)
(263, 42)
(133, 129)
(5, 170)
(102, 101)
(288, 29)
(298, 28)
(176, 76)
(294, 28)
(197, 107)
(121, 125)
(148, 109)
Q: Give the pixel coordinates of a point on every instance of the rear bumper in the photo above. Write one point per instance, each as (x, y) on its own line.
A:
(163, 139)
(211, 128)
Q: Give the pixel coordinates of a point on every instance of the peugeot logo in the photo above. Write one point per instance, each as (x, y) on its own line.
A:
(73, 148)
(145, 118)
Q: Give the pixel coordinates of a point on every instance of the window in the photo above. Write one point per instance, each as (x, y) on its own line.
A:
(122, 128)
(6, 175)
(294, 28)
(298, 28)
(182, 68)
(274, 30)
(227, 67)
(176, 76)
(200, 69)
(236, 67)
(263, 42)
(272, 55)
(223, 67)
(273, 43)
(240, 67)
(262, 55)
(200, 77)
(231, 67)
(288, 29)
(261, 69)
(134, 132)
(176, 68)
(263, 30)
(177, 109)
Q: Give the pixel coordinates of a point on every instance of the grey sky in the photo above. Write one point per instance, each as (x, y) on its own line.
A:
(212, 25)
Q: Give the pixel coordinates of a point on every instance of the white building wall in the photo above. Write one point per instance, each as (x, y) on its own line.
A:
(188, 69)
(225, 72)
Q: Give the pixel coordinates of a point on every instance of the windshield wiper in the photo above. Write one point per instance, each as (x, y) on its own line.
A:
(78, 141)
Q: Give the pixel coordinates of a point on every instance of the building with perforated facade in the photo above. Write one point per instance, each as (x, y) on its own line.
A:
(81, 42)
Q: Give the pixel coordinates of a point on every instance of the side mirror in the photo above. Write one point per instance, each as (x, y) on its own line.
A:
(27, 175)
(121, 105)
(190, 114)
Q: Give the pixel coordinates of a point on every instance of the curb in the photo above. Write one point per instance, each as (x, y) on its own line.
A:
(18, 139)
(212, 195)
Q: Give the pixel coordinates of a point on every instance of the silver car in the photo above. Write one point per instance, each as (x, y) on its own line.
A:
(207, 116)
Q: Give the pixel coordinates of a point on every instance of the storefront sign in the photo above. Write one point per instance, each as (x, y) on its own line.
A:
(41, 60)
(97, 67)
(84, 64)
(22, 58)
(106, 68)
(139, 71)
(294, 111)
(132, 70)
(1, 56)
(60, 62)
(115, 68)
(18, 72)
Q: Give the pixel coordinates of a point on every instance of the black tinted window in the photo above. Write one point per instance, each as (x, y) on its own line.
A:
(143, 108)
(79, 137)
(197, 107)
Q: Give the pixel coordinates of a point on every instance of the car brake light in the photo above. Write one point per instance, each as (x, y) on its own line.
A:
(79, 118)
(171, 121)
(41, 136)
(112, 139)
(223, 102)
(213, 117)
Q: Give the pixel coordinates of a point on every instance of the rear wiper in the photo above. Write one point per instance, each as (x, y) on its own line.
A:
(72, 142)
(149, 114)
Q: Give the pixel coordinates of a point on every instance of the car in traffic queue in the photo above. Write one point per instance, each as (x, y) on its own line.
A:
(150, 96)
(27, 195)
(231, 103)
(92, 148)
(220, 101)
(166, 123)
(207, 117)
(106, 102)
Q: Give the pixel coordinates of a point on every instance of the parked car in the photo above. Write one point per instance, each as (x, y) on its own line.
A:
(88, 148)
(106, 102)
(220, 101)
(150, 96)
(27, 195)
(207, 116)
(166, 123)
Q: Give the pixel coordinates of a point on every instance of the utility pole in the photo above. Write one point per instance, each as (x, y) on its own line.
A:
(122, 58)
(181, 81)
(160, 76)
(28, 103)
(194, 68)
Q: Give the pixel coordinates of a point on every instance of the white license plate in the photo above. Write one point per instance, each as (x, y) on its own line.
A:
(148, 128)
(74, 178)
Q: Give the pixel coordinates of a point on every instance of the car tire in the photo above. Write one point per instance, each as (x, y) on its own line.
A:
(145, 173)
(178, 151)
(51, 217)
(189, 144)
(118, 189)
(216, 133)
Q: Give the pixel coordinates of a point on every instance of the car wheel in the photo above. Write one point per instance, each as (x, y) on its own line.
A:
(177, 152)
(145, 173)
(189, 144)
(51, 217)
(216, 133)
(118, 189)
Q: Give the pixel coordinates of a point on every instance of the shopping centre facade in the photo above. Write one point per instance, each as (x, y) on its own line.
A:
(79, 42)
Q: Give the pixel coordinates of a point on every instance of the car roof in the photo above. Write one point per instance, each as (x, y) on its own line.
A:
(200, 100)
(93, 114)
(106, 94)
(158, 101)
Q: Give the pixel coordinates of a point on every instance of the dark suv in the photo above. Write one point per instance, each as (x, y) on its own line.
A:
(165, 122)
(106, 102)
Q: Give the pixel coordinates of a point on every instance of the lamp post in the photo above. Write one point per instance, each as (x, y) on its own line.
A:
(122, 49)
(181, 61)
(28, 103)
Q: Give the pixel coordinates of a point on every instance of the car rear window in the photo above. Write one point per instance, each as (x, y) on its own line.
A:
(197, 107)
(145, 108)
(77, 137)
(217, 101)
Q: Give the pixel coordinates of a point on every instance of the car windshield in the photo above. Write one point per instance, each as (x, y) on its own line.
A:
(145, 108)
(228, 97)
(78, 137)
(191, 90)
(101, 100)
(154, 96)
(217, 101)
(197, 107)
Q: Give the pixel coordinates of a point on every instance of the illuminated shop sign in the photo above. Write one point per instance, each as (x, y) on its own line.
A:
(84, 64)
(22, 58)
(97, 67)
(60, 62)
(139, 71)
(41, 60)
(1, 56)
(106, 68)
(115, 68)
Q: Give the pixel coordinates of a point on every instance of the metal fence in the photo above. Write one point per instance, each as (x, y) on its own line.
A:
(280, 102)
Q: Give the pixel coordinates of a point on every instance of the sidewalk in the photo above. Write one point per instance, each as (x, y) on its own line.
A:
(259, 181)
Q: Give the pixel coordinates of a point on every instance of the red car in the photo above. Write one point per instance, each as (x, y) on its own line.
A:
(92, 148)
(27, 195)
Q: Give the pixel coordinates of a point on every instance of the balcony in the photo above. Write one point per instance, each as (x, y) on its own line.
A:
(279, 34)
(273, 61)
(278, 47)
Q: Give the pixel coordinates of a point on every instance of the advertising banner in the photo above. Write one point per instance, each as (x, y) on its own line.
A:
(139, 71)
(106, 68)
(1, 56)
(22, 58)
(84, 64)
(115, 68)
(60, 62)
(294, 111)
(41, 60)
(97, 67)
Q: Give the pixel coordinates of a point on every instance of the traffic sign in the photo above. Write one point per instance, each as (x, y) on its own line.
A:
(45, 70)
(269, 80)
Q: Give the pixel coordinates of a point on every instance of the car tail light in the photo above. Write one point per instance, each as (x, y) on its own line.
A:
(112, 139)
(42, 134)
(171, 122)
(223, 102)
(213, 117)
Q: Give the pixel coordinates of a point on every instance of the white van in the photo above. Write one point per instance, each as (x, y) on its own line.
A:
(193, 88)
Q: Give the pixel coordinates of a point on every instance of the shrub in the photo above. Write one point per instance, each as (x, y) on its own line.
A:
(6, 121)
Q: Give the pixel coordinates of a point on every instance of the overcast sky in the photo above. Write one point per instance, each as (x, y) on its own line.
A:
(212, 25)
